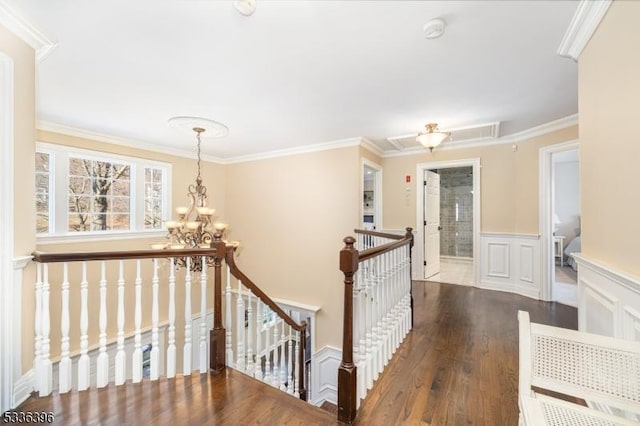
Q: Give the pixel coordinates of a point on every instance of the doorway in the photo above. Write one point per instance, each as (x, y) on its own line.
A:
(371, 190)
(560, 221)
(565, 216)
(449, 221)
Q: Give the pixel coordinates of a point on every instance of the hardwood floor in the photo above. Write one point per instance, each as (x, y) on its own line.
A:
(458, 366)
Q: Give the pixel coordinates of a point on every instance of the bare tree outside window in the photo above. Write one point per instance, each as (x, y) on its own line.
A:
(42, 192)
(153, 181)
(99, 195)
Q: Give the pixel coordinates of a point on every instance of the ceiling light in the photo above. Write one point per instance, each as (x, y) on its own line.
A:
(432, 137)
(195, 227)
(434, 28)
(245, 7)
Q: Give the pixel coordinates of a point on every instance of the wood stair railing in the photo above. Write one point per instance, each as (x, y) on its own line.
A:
(378, 311)
(91, 316)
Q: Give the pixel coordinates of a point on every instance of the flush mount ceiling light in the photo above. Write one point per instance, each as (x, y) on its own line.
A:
(432, 137)
(245, 7)
(434, 28)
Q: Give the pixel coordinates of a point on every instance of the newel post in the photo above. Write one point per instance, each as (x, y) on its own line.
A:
(347, 371)
(409, 234)
(301, 372)
(217, 342)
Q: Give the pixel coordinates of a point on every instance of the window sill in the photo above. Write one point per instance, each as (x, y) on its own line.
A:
(95, 237)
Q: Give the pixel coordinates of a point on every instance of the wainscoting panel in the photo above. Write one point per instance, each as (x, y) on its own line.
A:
(608, 301)
(511, 263)
(325, 370)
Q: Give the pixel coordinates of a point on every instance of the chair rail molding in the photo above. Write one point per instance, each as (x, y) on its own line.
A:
(585, 21)
(511, 263)
(608, 300)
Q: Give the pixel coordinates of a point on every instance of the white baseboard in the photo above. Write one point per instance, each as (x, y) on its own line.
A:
(325, 370)
(22, 389)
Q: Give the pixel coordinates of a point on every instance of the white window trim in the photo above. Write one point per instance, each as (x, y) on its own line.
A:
(60, 174)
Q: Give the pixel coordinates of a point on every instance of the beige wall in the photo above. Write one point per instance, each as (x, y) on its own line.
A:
(183, 174)
(23, 57)
(291, 214)
(609, 89)
(509, 183)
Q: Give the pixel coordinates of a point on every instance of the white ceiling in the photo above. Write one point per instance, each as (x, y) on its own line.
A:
(300, 72)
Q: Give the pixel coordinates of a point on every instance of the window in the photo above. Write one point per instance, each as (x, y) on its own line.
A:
(80, 192)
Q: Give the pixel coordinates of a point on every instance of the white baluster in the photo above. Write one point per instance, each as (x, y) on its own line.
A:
(38, 328)
(84, 361)
(171, 349)
(290, 364)
(103, 356)
(283, 373)
(228, 322)
(46, 369)
(64, 367)
(368, 307)
(257, 371)
(249, 345)
(187, 352)
(136, 361)
(275, 377)
(203, 317)
(268, 366)
(240, 361)
(154, 357)
(296, 370)
(121, 362)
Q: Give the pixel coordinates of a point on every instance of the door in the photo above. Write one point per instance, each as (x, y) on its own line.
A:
(431, 223)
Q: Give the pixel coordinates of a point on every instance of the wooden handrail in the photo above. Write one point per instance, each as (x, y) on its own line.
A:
(302, 327)
(246, 281)
(45, 257)
(378, 234)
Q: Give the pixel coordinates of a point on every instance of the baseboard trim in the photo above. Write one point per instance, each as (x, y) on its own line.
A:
(509, 287)
(22, 389)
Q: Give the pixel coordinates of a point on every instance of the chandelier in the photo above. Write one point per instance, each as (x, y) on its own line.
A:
(432, 137)
(195, 227)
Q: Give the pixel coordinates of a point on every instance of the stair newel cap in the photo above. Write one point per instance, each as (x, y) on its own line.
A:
(349, 256)
(409, 234)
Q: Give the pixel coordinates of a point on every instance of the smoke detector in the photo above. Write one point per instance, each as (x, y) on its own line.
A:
(434, 28)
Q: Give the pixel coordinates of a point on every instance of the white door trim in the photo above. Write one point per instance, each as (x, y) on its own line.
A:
(418, 261)
(6, 230)
(377, 201)
(546, 201)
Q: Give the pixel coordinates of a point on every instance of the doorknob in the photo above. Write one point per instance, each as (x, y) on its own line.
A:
(439, 228)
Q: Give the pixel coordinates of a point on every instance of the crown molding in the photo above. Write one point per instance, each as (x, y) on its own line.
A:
(325, 146)
(26, 31)
(62, 129)
(584, 23)
(524, 135)
(371, 147)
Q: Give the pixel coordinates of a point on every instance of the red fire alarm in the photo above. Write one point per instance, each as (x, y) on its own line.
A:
(407, 178)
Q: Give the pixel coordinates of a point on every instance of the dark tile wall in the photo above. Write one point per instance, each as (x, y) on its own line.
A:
(456, 186)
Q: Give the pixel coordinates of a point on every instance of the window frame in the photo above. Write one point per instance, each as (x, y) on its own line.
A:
(59, 156)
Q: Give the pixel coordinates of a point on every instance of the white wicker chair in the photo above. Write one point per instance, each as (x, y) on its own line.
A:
(601, 370)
